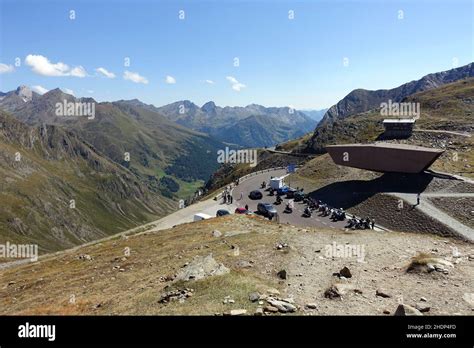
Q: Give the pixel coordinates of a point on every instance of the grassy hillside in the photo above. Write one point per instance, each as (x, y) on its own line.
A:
(56, 167)
(248, 248)
(448, 108)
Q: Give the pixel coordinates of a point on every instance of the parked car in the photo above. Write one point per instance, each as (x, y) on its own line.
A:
(201, 216)
(282, 190)
(222, 212)
(266, 209)
(291, 193)
(241, 210)
(299, 196)
(255, 195)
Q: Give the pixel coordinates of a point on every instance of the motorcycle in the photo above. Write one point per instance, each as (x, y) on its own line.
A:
(338, 215)
(288, 209)
(326, 211)
(307, 212)
(278, 200)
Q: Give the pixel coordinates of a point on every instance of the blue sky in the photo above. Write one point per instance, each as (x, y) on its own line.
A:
(282, 61)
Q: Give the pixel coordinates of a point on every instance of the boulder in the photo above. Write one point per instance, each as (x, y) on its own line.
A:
(469, 298)
(340, 289)
(282, 274)
(270, 309)
(407, 310)
(234, 312)
(216, 233)
(281, 305)
(422, 307)
(345, 272)
(201, 267)
(382, 293)
(254, 296)
(244, 264)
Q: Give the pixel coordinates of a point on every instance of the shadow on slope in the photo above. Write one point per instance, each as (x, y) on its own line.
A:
(347, 194)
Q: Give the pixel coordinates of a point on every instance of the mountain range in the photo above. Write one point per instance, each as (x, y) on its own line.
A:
(122, 167)
(316, 115)
(250, 126)
(155, 144)
(360, 101)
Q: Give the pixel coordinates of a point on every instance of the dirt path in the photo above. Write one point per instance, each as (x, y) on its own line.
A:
(463, 134)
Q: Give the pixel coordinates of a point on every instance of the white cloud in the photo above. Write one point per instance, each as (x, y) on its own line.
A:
(209, 82)
(42, 66)
(236, 85)
(90, 91)
(78, 71)
(170, 80)
(105, 73)
(68, 91)
(39, 89)
(134, 77)
(4, 68)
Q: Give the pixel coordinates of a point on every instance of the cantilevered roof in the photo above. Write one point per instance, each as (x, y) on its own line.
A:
(384, 157)
(391, 146)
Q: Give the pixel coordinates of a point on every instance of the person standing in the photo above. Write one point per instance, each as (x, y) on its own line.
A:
(241, 196)
(418, 199)
(373, 223)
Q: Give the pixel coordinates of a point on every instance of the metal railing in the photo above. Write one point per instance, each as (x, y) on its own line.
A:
(243, 178)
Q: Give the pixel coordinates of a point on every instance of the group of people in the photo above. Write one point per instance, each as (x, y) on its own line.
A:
(227, 196)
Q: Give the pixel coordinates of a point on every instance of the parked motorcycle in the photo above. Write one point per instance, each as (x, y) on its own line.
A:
(307, 212)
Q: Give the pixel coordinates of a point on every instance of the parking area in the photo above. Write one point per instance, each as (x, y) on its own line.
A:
(241, 198)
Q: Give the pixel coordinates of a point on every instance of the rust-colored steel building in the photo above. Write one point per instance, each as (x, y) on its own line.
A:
(384, 157)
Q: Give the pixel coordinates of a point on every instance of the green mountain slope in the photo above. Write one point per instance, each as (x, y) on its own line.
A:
(58, 191)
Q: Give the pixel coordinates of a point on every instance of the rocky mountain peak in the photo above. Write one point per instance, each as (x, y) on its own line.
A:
(25, 93)
(209, 107)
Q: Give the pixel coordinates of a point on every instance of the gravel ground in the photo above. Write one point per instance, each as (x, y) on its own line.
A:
(461, 208)
(384, 267)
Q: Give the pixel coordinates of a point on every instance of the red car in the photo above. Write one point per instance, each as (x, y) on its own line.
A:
(240, 210)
